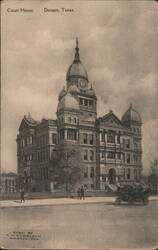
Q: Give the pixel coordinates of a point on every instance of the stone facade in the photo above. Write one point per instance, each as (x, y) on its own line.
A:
(110, 147)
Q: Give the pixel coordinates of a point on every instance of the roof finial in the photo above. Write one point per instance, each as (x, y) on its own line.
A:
(76, 42)
(77, 55)
(130, 106)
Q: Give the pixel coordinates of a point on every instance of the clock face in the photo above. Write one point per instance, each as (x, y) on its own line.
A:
(82, 83)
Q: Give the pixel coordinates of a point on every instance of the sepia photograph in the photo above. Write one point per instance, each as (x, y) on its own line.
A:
(79, 124)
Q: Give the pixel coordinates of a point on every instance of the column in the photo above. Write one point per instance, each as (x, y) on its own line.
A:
(65, 134)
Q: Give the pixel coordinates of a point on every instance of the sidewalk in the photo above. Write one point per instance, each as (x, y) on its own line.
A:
(54, 201)
(59, 201)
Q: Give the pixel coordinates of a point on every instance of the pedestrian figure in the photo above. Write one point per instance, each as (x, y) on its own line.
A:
(82, 193)
(79, 193)
(22, 195)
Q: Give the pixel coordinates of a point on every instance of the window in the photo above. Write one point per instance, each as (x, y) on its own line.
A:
(111, 155)
(118, 139)
(54, 138)
(128, 143)
(135, 175)
(85, 138)
(90, 103)
(92, 186)
(128, 174)
(81, 101)
(86, 102)
(111, 138)
(69, 119)
(85, 156)
(31, 139)
(91, 155)
(119, 156)
(103, 137)
(92, 172)
(71, 134)
(128, 158)
(135, 145)
(135, 158)
(103, 154)
(91, 139)
(85, 172)
(75, 120)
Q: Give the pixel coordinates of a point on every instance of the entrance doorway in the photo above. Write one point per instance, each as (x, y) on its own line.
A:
(112, 176)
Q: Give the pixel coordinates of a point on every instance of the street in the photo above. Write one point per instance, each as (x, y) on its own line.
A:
(101, 225)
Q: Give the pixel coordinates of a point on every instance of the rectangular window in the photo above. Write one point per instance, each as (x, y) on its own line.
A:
(90, 103)
(91, 155)
(31, 139)
(128, 158)
(91, 139)
(75, 120)
(135, 158)
(103, 137)
(81, 101)
(127, 143)
(27, 140)
(128, 174)
(102, 154)
(111, 138)
(71, 134)
(85, 138)
(111, 155)
(92, 172)
(69, 119)
(119, 156)
(118, 139)
(86, 102)
(85, 172)
(54, 138)
(85, 155)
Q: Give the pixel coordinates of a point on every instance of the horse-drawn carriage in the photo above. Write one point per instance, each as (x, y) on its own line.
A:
(132, 194)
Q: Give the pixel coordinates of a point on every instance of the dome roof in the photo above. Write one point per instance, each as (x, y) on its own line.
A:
(68, 102)
(77, 68)
(131, 115)
(62, 93)
(73, 89)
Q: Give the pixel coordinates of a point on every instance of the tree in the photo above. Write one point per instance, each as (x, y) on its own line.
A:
(65, 167)
(153, 177)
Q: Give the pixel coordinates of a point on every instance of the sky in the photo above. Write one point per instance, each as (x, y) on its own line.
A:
(118, 46)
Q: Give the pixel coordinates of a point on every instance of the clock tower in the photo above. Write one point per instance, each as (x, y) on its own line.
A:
(78, 85)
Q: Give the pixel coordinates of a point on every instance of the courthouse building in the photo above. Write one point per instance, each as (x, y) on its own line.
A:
(110, 147)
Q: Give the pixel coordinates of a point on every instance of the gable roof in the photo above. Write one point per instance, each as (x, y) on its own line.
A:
(111, 119)
(27, 122)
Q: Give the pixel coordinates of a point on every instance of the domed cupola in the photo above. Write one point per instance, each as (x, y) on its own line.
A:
(68, 102)
(62, 93)
(76, 69)
(131, 115)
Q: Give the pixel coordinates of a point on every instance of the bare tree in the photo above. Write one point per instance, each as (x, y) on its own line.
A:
(65, 167)
(153, 177)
